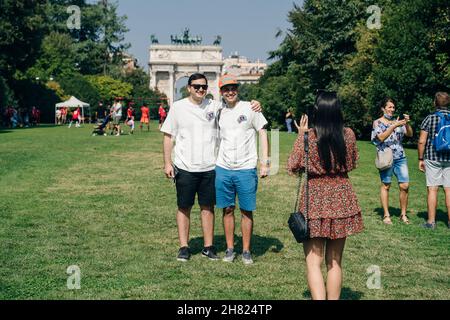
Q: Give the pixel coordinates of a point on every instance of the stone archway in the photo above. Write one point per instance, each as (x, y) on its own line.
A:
(169, 63)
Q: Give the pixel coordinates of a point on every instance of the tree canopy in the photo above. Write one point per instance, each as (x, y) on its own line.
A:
(330, 46)
(45, 56)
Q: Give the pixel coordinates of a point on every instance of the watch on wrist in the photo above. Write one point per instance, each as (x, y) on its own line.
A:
(420, 159)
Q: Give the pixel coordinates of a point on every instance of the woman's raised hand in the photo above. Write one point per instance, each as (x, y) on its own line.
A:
(303, 125)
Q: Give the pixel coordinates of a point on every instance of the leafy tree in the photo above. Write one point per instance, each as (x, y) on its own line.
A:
(21, 33)
(411, 58)
(78, 86)
(109, 88)
(57, 59)
(99, 40)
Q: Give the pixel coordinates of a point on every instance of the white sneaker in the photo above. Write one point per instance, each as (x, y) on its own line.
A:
(230, 255)
(247, 257)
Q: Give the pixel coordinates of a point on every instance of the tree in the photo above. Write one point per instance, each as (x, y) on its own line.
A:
(411, 58)
(109, 88)
(57, 59)
(78, 85)
(21, 33)
(99, 40)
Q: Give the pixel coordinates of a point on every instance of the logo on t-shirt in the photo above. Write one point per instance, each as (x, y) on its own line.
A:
(242, 118)
(210, 116)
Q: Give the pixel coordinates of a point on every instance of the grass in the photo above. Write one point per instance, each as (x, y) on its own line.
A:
(103, 204)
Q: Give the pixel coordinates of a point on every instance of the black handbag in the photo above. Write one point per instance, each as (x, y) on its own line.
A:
(298, 222)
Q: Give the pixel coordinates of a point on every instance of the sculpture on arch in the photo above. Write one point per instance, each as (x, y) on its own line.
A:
(218, 41)
(153, 39)
(186, 39)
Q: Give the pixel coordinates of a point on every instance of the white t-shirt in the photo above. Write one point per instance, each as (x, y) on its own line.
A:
(238, 144)
(194, 128)
(118, 109)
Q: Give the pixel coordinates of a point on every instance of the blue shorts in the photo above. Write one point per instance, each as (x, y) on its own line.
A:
(399, 169)
(242, 183)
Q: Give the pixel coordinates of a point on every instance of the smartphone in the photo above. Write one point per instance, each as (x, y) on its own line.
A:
(401, 117)
(175, 173)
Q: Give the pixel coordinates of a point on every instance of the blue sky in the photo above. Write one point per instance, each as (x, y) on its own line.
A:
(246, 26)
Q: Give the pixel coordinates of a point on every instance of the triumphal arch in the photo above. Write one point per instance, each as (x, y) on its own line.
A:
(183, 57)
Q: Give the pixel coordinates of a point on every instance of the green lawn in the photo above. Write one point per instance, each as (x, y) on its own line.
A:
(103, 204)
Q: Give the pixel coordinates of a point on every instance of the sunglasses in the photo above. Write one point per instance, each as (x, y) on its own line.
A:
(229, 88)
(199, 86)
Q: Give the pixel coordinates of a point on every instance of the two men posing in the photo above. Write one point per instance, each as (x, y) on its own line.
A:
(201, 126)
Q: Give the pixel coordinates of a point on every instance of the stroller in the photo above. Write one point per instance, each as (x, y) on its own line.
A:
(100, 127)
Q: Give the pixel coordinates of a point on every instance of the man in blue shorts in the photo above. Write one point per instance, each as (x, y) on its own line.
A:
(236, 172)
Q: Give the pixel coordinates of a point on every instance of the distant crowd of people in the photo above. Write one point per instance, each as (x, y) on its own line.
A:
(21, 117)
(111, 118)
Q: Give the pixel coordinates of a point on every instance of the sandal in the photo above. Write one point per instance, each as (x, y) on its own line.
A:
(404, 219)
(387, 220)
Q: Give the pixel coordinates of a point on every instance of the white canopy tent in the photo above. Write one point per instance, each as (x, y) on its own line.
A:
(73, 103)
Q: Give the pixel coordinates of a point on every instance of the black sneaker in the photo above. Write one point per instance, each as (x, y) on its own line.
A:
(183, 254)
(210, 252)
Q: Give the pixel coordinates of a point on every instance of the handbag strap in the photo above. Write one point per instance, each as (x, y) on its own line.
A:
(306, 149)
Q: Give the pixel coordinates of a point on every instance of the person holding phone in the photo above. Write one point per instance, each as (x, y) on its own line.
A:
(388, 132)
(333, 209)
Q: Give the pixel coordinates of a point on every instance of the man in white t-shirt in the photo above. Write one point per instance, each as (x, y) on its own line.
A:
(192, 122)
(236, 173)
(117, 116)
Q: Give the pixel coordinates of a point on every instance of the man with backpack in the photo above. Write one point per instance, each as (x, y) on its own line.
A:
(434, 155)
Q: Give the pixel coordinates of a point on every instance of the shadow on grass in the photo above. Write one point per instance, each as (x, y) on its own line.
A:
(440, 216)
(394, 212)
(346, 294)
(259, 245)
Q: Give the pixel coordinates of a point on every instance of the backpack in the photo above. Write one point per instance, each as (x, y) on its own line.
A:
(441, 140)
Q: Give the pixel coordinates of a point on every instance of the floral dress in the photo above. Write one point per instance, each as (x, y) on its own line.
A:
(334, 211)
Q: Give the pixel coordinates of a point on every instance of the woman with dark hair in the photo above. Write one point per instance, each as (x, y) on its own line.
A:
(333, 212)
(388, 132)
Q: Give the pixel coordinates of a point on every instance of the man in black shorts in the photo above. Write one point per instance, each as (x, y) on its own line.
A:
(192, 122)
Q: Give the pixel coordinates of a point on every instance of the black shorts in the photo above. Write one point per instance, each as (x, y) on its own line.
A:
(190, 183)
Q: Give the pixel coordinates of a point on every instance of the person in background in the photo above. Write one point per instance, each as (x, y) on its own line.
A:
(145, 117)
(58, 116)
(117, 116)
(75, 118)
(162, 115)
(63, 115)
(130, 118)
(334, 212)
(289, 118)
(388, 132)
(436, 165)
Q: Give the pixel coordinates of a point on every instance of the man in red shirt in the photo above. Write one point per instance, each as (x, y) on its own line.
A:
(162, 115)
(145, 116)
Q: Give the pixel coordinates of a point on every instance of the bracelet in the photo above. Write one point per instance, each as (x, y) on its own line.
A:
(420, 159)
